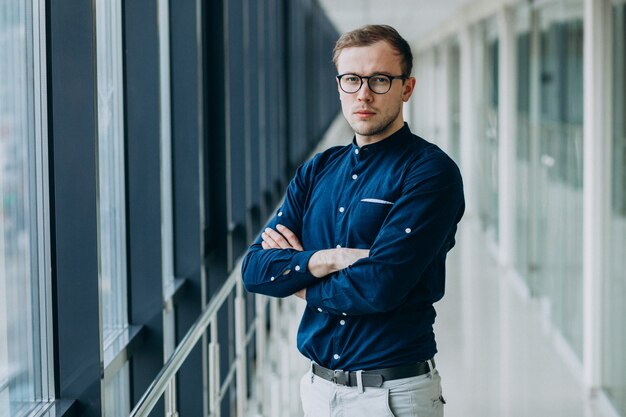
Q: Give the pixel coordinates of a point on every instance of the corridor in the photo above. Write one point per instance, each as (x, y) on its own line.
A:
(498, 353)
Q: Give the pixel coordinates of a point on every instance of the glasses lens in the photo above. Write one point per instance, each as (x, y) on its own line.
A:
(379, 83)
(350, 83)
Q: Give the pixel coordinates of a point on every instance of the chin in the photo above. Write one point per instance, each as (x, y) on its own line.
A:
(368, 128)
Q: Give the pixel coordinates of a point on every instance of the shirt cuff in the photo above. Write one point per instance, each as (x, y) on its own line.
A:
(300, 269)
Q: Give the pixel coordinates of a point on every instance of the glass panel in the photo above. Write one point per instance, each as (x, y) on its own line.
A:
(116, 394)
(557, 167)
(167, 234)
(111, 195)
(487, 163)
(615, 337)
(522, 212)
(24, 236)
(111, 202)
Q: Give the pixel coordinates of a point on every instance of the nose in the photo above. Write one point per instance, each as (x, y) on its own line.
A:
(364, 93)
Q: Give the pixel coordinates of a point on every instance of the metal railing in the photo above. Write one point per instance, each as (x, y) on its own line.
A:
(277, 363)
(165, 380)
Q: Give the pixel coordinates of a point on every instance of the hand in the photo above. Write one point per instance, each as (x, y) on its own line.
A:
(286, 239)
(301, 294)
(325, 262)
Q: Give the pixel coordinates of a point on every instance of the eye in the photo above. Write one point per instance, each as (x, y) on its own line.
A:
(352, 79)
(380, 79)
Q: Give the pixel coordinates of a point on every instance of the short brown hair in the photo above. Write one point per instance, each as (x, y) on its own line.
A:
(369, 35)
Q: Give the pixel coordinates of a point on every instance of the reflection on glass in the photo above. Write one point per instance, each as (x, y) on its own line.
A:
(557, 166)
(111, 202)
(614, 357)
(23, 271)
(116, 394)
(111, 189)
(550, 161)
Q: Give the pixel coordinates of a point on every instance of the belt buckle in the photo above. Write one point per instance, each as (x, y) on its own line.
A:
(341, 377)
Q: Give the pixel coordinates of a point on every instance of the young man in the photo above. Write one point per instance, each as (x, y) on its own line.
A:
(362, 236)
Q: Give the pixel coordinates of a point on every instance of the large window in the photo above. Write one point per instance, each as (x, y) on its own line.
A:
(558, 167)
(111, 195)
(25, 321)
(549, 160)
(523, 144)
(614, 357)
(487, 163)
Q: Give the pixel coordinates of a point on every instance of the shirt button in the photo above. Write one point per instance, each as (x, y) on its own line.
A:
(408, 230)
(272, 279)
(297, 268)
(336, 356)
(356, 151)
(320, 310)
(342, 322)
(354, 176)
(338, 246)
(344, 314)
(341, 209)
(280, 213)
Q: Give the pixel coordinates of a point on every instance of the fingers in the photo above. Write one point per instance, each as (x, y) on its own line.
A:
(274, 239)
(268, 242)
(290, 236)
(286, 239)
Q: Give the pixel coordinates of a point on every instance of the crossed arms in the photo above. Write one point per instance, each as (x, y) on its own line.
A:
(322, 263)
(410, 246)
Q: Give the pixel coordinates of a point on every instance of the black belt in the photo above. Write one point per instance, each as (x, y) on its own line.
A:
(374, 377)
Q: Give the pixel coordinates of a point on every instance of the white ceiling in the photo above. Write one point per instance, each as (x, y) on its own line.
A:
(412, 18)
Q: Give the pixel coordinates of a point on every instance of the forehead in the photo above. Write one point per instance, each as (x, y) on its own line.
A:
(378, 57)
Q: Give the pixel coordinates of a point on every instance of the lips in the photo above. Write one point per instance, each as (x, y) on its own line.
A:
(364, 113)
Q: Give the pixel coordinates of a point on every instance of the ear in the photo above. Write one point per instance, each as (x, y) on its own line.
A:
(407, 88)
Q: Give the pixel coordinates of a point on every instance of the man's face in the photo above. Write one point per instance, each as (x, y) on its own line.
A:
(373, 116)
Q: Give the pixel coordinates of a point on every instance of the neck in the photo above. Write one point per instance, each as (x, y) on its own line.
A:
(363, 140)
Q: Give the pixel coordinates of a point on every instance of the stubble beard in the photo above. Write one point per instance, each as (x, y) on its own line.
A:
(378, 128)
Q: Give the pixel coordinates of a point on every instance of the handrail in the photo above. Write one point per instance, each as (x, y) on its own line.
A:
(156, 389)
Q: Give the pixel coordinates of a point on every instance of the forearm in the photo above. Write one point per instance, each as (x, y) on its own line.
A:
(327, 261)
(277, 273)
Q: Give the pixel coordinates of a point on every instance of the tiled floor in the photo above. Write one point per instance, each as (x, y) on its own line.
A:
(497, 356)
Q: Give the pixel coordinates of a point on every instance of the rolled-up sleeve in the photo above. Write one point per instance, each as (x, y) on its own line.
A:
(282, 272)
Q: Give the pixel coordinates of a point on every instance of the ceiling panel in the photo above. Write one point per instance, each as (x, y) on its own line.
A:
(412, 18)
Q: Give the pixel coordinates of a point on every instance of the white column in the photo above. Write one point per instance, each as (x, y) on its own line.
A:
(507, 122)
(596, 178)
(444, 109)
(468, 117)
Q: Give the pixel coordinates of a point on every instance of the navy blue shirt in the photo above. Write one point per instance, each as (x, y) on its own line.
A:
(402, 198)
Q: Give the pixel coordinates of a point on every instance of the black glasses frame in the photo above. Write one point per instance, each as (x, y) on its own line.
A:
(369, 77)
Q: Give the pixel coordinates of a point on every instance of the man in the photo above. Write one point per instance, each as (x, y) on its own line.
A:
(362, 236)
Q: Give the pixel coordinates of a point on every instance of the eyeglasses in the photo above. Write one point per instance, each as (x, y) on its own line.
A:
(378, 83)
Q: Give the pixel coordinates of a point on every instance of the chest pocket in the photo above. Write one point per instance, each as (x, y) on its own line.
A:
(367, 218)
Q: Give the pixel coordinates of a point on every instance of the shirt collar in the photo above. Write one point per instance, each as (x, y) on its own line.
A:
(389, 142)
